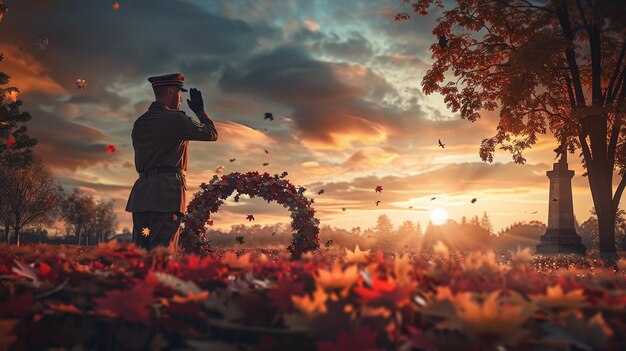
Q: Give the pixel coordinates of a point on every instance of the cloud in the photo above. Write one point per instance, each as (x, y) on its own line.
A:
(371, 157)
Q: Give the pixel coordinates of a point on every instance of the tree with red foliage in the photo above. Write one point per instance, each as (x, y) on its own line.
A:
(553, 64)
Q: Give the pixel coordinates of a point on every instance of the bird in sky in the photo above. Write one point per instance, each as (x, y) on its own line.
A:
(441, 145)
(432, 198)
(377, 202)
(533, 212)
(268, 115)
(320, 192)
(232, 160)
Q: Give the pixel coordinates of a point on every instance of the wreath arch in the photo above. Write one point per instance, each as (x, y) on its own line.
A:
(306, 227)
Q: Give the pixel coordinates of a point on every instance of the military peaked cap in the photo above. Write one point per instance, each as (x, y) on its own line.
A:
(168, 79)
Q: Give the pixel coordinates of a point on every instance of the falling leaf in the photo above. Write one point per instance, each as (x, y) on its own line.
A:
(343, 209)
(379, 188)
(110, 149)
(473, 200)
(145, 231)
(250, 218)
(267, 152)
(116, 6)
(268, 115)
(432, 198)
(320, 192)
(232, 160)
(328, 243)
(265, 163)
(239, 239)
(81, 83)
(377, 202)
(10, 142)
(219, 169)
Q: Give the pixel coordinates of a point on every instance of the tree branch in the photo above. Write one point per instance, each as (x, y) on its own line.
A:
(609, 94)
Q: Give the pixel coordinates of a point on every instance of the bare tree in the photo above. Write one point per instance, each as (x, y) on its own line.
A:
(104, 223)
(30, 196)
(78, 211)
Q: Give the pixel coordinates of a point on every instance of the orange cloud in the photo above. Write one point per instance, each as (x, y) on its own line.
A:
(370, 157)
(347, 130)
(27, 73)
(240, 136)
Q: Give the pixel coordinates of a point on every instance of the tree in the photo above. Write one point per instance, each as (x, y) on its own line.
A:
(15, 146)
(104, 223)
(590, 231)
(78, 211)
(486, 223)
(384, 233)
(553, 64)
(29, 195)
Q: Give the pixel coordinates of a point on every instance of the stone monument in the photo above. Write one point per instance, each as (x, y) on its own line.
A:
(561, 236)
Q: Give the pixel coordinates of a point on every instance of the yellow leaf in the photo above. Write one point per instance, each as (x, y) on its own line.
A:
(336, 278)
(311, 306)
(490, 321)
(356, 256)
(145, 232)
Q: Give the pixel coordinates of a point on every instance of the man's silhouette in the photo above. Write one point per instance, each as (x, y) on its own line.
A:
(160, 139)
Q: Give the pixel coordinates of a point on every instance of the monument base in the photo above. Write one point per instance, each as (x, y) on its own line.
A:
(564, 241)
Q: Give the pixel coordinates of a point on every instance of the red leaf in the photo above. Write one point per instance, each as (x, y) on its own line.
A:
(379, 188)
(131, 305)
(110, 149)
(281, 293)
(365, 339)
(384, 293)
(10, 142)
(250, 217)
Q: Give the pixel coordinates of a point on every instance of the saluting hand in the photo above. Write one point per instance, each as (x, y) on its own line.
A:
(195, 104)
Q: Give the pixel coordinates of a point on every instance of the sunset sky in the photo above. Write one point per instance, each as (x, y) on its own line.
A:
(342, 79)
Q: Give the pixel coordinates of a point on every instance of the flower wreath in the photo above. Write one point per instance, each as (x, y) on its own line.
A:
(306, 227)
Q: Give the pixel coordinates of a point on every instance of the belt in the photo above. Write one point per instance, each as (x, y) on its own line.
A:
(163, 169)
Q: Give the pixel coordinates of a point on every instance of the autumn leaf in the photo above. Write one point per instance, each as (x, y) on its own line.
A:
(379, 188)
(556, 299)
(336, 278)
(81, 83)
(145, 231)
(384, 293)
(10, 142)
(250, 218)
(132, 305)
(110, 149)
(311, 305)
(356, 256)
(280, 294)
(219, 169)
(491, 321)
(116, 6)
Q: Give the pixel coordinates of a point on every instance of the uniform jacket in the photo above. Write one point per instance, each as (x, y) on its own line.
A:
(160, 138)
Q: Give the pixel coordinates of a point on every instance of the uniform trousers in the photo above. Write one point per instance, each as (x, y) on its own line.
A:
(164, 229)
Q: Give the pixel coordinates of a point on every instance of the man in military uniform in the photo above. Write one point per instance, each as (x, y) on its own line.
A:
(160, 139)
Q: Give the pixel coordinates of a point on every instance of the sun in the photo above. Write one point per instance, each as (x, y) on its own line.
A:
(438, 216)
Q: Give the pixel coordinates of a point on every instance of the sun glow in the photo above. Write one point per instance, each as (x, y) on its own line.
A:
(438, 216)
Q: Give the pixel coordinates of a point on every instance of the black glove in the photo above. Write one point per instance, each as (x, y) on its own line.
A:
(195, 104)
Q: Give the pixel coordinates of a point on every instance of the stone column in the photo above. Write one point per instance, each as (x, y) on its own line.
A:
(561, 236)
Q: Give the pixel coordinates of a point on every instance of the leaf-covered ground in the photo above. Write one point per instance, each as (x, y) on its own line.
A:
(118, 297)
